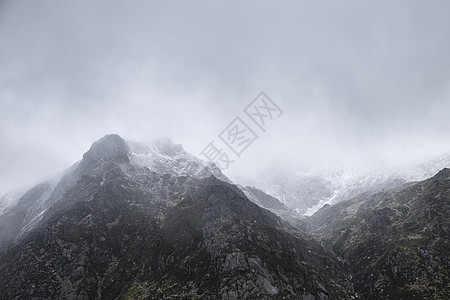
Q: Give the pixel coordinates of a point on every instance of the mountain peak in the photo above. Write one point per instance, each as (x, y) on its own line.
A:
(111, 147)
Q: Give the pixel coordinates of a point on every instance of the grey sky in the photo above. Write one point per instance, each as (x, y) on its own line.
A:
(359, 81)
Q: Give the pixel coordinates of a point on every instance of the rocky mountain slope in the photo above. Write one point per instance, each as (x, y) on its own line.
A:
(151, 221)
(9, 199)
(113, 228)
(395, 242)
(276, 206)
(20, 212)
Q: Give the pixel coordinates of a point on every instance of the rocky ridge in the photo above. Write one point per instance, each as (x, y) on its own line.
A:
(114, 229)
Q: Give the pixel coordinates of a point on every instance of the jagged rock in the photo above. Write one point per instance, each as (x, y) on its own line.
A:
(393, 241)
(116, 229)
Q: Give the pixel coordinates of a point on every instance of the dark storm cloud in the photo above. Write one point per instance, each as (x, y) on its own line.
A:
(358, 81)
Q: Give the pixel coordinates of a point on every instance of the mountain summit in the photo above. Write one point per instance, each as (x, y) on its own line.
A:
(161, 156)
(139, 221)
(110, 148)
(151, 221)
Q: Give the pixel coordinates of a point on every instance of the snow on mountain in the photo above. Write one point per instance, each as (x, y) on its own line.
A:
(303, 192)
(21, 212)
(9, 199)
(299, 192)
(165, 157)
(121, 226)
(308, 192)
(422, 170)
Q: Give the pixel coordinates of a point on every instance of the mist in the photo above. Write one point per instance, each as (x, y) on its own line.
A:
(358, 82)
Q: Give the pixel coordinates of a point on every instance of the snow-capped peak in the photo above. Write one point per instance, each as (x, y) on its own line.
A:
(165, 157)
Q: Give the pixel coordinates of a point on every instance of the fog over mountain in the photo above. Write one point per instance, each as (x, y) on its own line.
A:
(360, 84)
(224, 149)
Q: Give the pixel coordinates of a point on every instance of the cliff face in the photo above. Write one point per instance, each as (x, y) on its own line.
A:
(121, 231)
(136, 221)
(395, 242)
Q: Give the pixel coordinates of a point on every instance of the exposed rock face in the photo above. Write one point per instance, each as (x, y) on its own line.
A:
(395, 242)
(114, 229)
(263, 199)
(274, 205)
(161, 156)
(16, 219)
(110, 148)
(151, 221)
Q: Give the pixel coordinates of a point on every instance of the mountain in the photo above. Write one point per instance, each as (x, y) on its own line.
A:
(21, 211)
(19, 214)
(165, 157)
(137, 221)
(396, 242)
(276, 206)
(307, 192)
(9, 199)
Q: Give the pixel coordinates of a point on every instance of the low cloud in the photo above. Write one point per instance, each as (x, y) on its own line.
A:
(358, 82)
